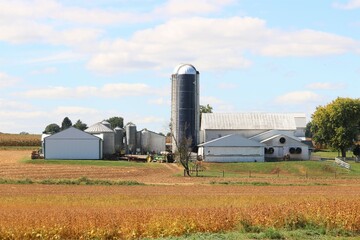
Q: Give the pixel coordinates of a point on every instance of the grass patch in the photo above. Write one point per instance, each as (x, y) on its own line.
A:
(264, 184)
(79, 181)
(103, 163)
(269, 233)
(286, 168)
(325, 153)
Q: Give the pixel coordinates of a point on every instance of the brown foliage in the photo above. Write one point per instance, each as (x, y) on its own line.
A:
(20, 140)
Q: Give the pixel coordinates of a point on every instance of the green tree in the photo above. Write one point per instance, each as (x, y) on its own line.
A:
(66, 123)
(206, 109)
(52, 128)
(308, 132)
(116, 122)
(337, 124)
(80, 125)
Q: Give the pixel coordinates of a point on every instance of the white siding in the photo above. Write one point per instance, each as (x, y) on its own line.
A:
(232, 154)
(282, 149)
(72, 149)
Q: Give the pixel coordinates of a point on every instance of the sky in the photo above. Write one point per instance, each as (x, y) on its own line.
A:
(95, 59)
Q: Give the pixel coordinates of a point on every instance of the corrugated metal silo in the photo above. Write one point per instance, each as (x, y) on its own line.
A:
(119, 139)
(131, 137)
(108, 136)
(185, 114)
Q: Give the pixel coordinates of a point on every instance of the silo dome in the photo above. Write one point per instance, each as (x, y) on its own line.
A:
(185, 69)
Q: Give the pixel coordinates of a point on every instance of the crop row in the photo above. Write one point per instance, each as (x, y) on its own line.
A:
(111, 222)
(20, 140)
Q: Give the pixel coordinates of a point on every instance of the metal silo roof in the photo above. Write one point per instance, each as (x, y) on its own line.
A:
(98, 128)
(185, 69)
(247, 121)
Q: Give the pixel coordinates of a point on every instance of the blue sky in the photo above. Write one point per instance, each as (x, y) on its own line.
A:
(94, 59)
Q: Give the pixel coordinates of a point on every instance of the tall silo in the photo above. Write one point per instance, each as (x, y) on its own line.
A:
(130, 129)
(185, 115)
(119, 139)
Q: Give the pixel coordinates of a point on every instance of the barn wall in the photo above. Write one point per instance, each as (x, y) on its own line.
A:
(282, 149)
(72, 149)
(233, 154)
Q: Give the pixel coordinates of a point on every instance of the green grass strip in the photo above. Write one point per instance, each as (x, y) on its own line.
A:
(79, 181)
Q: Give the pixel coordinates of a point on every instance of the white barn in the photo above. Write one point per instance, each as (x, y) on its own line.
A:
(232, 148)
(281, 134)
(72, 143)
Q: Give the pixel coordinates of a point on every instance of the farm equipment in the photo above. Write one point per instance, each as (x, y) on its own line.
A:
(36, 155)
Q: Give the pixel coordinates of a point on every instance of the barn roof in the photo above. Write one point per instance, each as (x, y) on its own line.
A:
(232, 140)
(98, 128)
(252, 121)
(71, 133)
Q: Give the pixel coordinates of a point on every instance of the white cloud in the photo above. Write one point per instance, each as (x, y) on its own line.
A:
(71, 110)
(48, 70)
(299, 97)
(111, 90)
(160, 101)
(57, 57)
(213, 44)
(6, 80)
(11, 105)
(325, 86)
(177, 8)
(306, 43)
(352, 4)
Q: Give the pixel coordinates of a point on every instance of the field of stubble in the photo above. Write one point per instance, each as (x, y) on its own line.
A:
(168, 205)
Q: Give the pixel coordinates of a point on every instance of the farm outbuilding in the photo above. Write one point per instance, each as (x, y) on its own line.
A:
(215, 125)
(232, 148)
(72, 143)
(104, 132)
(281, 134)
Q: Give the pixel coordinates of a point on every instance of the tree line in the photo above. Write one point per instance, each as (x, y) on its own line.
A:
(66, 123)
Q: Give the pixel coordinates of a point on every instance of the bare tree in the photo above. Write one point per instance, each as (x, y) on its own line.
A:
(183, 150)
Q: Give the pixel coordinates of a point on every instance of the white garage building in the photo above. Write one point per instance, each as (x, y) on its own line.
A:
(278, 134)
(232, 148)
(72, 143)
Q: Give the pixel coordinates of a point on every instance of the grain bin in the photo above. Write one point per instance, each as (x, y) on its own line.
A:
(119, 138)
(130, 129)
(108, 136)
(185, 116)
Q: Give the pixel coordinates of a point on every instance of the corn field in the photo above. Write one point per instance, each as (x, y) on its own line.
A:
(19, 140)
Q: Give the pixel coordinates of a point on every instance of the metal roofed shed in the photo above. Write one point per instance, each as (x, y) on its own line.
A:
(108, 136)
(232, 148)
(215, 125)
(72, 143)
